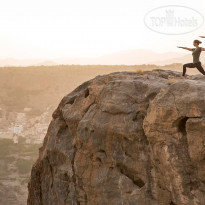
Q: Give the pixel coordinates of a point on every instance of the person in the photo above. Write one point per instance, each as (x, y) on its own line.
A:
(202, 36)
(196, 54)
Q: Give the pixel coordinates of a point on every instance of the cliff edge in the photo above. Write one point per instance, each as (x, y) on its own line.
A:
(125, 138)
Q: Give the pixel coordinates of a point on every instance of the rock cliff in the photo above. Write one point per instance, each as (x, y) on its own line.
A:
(125, 138)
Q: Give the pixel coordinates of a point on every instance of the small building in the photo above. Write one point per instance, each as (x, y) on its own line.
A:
(42, 127)
(6, 135)
(18, 129)
(27, 109)
(28, 140)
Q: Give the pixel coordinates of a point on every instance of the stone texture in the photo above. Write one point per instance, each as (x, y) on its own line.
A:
(125, 138)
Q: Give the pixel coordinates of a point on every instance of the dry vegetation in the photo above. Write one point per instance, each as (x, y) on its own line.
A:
(140, 71)
(171, 81)
(41, 86)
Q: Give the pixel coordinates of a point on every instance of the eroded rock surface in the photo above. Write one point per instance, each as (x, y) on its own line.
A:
(125, 138)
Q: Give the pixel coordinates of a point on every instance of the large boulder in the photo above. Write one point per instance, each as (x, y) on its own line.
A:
(125, 138)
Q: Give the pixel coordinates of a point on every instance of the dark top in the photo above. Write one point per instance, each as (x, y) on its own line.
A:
(196, 53)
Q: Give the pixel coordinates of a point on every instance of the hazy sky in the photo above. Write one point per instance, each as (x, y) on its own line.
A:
(82, 28)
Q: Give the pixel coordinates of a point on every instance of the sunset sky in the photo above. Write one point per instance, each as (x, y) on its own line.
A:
(84, 28)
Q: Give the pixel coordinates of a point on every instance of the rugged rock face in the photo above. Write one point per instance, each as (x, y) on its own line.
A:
(125, 138)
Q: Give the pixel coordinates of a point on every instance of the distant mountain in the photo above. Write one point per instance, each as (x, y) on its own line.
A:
(49, 63)
(25, 62)
(183, 59)
(126, 57)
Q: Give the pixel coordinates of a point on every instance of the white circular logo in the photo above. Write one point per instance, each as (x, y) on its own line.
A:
(173, 20)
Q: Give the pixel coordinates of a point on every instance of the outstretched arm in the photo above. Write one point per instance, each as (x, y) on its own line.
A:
(202, 49)
(202, 36)
(189, 49)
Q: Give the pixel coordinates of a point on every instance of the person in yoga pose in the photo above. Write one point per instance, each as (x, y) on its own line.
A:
(196, 54)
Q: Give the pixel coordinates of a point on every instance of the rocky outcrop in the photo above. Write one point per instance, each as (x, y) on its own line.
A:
(125, 138)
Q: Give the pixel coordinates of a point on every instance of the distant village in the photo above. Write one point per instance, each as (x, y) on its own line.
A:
(16, 125)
